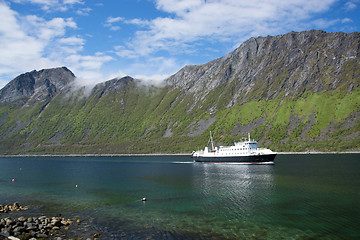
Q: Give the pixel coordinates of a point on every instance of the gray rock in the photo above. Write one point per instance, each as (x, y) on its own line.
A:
(37, 85)
(41, 235)
(6, 230)
(9, 222)
(30, 228)
(16, 205)
(64, 222)
(57, 223)
(272, 65)
(18, 229)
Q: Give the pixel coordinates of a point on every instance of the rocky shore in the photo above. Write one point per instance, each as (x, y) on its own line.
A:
(11, 208)
(32, 228)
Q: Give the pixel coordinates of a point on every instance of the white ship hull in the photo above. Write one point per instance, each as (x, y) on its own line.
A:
(246, 151)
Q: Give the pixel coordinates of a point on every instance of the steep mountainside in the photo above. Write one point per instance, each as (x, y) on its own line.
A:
(266, 67)
(292, 92)
(37, 85)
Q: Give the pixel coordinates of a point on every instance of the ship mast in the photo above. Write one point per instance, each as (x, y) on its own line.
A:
(212, 143)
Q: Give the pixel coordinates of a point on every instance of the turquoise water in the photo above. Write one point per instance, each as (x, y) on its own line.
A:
(300, 197)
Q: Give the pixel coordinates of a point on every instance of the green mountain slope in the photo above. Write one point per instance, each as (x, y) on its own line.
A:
(293, 92)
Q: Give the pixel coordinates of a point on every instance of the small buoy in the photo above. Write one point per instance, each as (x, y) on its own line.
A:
(13, 180)
(143, 199)
(76, 185)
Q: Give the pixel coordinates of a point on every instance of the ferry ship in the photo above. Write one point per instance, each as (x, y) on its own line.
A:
(245, 151)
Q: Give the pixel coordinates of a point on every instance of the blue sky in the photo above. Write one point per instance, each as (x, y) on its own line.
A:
(149, 39)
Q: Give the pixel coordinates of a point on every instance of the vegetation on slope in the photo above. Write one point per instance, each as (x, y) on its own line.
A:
(135, 120)
(294, 92)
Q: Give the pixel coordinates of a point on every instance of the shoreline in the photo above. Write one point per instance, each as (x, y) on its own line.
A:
(22, 220)
(297, 153)
(159, 154)
(100, 155)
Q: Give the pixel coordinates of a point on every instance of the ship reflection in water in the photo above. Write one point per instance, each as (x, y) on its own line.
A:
(237, 191)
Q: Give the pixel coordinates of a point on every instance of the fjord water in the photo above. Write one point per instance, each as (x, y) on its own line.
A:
(299, 197)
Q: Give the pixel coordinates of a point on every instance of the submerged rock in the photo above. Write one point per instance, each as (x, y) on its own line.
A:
(11, 208)
(41, 227)
(30, 227)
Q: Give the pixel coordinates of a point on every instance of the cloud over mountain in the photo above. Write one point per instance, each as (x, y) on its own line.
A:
(149, 38)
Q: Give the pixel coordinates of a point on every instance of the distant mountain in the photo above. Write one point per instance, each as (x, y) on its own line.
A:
(292, 92)
(37, 85)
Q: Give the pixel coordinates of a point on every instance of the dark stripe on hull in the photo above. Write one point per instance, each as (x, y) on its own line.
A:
(242, 159)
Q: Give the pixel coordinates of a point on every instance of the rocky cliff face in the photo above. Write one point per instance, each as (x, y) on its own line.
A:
(265, 67)
(111, 86)
(37, 85)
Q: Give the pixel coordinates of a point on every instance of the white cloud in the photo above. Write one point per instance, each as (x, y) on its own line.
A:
(110, 21)
(31, 42)
(52, 5)
(87, 62)
(153, 69)
(350, 5)
(138, 22)
(72, 41)
(72, 2)
(346, 20)
(178, 7)
(154, 79)
(189, 25)
(84, 11)
(114, 19)
(47, 30)
(70, 45)
(219, 20)
(18, 49)
(183, 27)
(121, 51)
(324, 23)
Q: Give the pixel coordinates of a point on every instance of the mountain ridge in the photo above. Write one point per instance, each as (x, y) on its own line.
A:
(38, 85)
(235, 64)
(292, 92)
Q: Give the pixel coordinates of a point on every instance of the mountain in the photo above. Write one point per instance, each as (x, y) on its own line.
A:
(293, 92)
(37, 85)
(268, 66)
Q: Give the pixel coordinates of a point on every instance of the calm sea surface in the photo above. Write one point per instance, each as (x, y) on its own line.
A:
(299, 197)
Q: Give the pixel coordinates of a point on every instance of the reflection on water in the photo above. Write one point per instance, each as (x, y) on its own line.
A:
(299, 197)
(237, 189)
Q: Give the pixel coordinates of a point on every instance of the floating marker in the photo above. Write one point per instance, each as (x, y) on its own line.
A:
(76, 185)
(13, 180)
(143, 199)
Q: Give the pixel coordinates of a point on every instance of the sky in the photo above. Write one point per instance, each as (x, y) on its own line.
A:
(149, 39)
